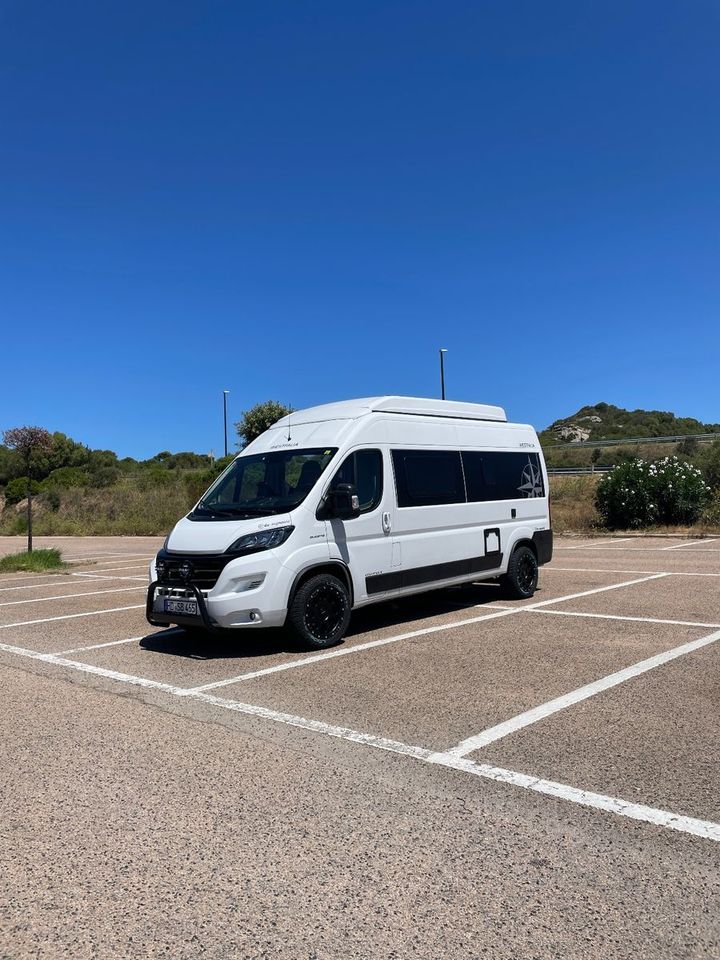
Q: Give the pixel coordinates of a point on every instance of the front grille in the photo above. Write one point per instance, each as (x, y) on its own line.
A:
(205, 570)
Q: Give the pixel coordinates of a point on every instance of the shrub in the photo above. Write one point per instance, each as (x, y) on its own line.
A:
(51, 498)
(37, 560)
(711, 513)
(16, 490)
(573, 504)
(65, 477)
(641, 493)
(711, 465)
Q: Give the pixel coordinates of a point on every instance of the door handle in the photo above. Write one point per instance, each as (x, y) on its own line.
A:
(386, 523)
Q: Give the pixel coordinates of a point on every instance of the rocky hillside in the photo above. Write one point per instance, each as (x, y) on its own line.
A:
(603, 421)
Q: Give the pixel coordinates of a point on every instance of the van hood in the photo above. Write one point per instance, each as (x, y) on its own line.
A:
(215, 536)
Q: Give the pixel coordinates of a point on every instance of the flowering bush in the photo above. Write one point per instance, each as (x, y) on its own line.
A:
(640, 493)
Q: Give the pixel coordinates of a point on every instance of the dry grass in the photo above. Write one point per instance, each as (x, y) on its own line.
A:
(573, 511)
(123, 509)
(573, 504)
(144, 509)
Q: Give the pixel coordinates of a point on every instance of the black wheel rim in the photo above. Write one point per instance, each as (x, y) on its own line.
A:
(526, 571)
(324, 612)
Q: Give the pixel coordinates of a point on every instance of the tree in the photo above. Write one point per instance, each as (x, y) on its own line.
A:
(30, 443)
(258, 419)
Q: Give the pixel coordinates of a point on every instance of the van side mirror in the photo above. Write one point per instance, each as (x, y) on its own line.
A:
(343, 502)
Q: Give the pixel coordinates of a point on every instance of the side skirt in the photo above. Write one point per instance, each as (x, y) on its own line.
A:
(417, 576)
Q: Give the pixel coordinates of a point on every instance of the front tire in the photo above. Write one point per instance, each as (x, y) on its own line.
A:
(521, 579)
(320, 611)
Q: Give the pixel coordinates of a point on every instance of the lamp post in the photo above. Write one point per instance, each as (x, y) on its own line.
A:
(225, 396)
(443, 351)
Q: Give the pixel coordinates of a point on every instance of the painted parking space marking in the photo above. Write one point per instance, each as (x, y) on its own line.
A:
(691, 543)
(57, 581)
(359, 648)
(95, 576)
(609, 543)
(611, 616)
(665, 819)
(23, 578)
(640, 549)
(71, 616)
(500, 730)
(667, 573)
(107, 557)
(614, 616)
(97, 646)
(69, 596)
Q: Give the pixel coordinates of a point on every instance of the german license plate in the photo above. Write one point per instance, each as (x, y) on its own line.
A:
(188, 608)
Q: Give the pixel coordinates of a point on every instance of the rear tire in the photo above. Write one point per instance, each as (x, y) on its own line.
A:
(320, 611)
(520, 581)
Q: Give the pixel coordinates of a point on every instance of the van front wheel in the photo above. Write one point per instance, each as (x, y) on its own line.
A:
(320, 611)
(520, 581)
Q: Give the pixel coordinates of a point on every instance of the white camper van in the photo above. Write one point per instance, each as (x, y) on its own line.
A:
(351, 503)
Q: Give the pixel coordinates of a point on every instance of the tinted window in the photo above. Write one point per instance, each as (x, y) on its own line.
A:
(364, 469)
(425, 477)
(502, 476)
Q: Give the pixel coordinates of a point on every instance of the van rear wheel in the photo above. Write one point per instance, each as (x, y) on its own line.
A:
(320, 611)
(520, 581)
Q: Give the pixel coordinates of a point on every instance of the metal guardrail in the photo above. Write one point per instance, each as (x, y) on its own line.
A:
(704, 437)
(575, 471)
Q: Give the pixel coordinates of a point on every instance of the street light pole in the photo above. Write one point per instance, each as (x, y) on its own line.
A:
(225, 396)
(443, 351)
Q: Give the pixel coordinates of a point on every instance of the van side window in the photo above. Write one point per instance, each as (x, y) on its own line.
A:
(426, 477)
(502, 476)
(364, 469)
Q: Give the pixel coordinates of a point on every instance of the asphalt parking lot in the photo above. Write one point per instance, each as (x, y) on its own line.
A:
(462, 777)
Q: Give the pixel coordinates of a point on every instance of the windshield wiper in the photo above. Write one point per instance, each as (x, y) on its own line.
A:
(248, 511)
(232, 510)
(213, 511)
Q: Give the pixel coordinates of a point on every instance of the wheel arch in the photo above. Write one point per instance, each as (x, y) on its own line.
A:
(333, 567)
(525, 542)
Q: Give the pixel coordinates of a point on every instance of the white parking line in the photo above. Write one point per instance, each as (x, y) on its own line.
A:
(68, 596)
(668, 573)
(107, 557)
(23, 578)
(500, 730)
(346, 651)
(95, 576)
(71, 616)
(704, 829)
(608, 543)
(636, 549)
(97, 646)
(691, 543)
(360, 647)
(612, 616)
(50, 583)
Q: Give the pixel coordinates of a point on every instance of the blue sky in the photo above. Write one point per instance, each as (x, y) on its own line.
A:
(303, 201)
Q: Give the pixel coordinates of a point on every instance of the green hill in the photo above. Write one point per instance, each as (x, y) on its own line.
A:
(603, 421)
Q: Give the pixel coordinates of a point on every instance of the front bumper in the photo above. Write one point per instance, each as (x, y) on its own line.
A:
(245, 595)
(158, 617)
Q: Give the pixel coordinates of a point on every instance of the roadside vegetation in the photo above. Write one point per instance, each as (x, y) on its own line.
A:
(82, 492)
(35, 562)
(77, 491)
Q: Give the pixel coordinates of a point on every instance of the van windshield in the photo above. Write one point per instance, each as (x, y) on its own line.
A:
(264, 483)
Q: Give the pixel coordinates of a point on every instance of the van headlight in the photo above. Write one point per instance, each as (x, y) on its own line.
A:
(262, 540)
